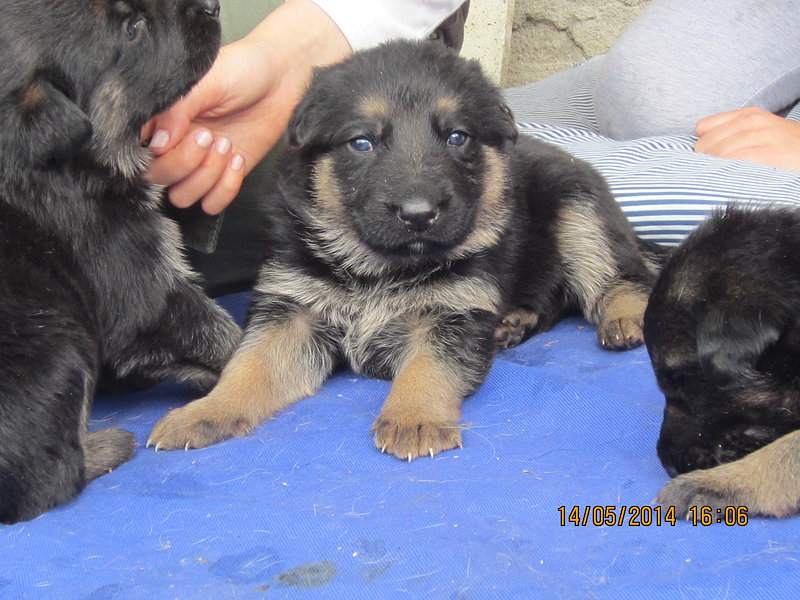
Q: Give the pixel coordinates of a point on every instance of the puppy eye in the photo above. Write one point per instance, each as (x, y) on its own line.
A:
(134, 27)
(457, 138)
(361, 144)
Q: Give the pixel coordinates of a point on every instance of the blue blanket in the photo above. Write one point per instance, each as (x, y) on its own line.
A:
(307, 507)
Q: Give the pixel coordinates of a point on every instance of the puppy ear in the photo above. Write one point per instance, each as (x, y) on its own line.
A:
(731, 342)
(307, 126)
(46, 125)
(510, 123)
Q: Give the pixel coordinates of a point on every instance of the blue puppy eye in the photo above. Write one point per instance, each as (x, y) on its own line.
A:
(361, 144)
(457, 138)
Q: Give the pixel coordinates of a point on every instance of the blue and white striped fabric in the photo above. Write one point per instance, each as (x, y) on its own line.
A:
(662, 185)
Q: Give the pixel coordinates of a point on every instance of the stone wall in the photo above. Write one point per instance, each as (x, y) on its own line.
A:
(519, 41)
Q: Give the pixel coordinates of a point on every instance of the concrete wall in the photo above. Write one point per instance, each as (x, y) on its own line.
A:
(519, 41)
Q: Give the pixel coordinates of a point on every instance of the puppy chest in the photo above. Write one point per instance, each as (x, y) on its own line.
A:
(378, 327)
(376, 332)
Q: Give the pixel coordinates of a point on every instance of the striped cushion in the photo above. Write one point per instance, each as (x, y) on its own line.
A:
(662, 185)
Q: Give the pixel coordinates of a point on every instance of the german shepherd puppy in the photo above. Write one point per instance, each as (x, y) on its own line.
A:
(410, 237)
(723, 332)
(91, 278)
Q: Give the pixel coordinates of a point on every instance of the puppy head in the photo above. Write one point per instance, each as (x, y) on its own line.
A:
(407, 151)
(84, 76)
(690, 441)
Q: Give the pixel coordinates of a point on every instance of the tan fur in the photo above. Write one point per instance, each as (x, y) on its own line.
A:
(591, 264)
(622, 317)
(328, 216)
(274, 367)
(493, 213)
(766, 481)
(374, 107)
(420, 416)
(446, 104)
(107, 111)
(355, 256)
(30, 98)
(363, 312)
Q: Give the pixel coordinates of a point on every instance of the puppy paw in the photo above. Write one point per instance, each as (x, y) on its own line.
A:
(412, 440)
(621, 334)
(105, 450)
(513, 327)
(622, 323)
(194, 426)
(695, 489)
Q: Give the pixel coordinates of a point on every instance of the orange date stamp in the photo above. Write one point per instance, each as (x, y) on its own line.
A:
(646, 516)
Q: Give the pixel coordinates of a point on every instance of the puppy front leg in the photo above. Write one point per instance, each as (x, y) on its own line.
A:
(605, 271)
(766, 481)
(421, 414)
(277, 364)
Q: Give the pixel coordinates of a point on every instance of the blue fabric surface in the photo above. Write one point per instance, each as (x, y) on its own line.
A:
(307, 507)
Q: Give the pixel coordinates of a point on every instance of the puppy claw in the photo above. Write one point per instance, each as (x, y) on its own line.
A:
(192, 426)
(408, 441)
(620, 334)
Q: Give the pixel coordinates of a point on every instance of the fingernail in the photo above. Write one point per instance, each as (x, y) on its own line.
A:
(203, 138)
(222, 145)
(237, 162)
(160, 139)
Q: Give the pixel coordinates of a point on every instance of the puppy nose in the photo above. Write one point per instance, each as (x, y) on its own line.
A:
(417, 213)
(210, 7)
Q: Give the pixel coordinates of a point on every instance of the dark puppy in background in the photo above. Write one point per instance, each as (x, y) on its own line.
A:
(91, 278)
(411, 237)
(723, 332)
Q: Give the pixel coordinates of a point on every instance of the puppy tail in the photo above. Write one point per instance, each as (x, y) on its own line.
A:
(105, 450)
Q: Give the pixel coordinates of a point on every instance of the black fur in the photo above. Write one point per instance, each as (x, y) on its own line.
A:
(407, 221)
(411, 162)
(723, 332)
(91, 277)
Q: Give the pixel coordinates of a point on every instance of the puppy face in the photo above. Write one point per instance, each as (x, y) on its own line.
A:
(723, 336)
(407, 158)
(84, 89)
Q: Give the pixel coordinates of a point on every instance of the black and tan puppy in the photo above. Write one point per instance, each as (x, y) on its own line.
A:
(91, 278)
(411, 236)
(723, 332)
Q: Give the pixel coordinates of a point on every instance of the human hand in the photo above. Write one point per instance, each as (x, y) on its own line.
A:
(239, 99)
(205, 145)
(751, 134)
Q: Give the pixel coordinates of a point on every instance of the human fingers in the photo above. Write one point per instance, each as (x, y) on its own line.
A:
(728, 143)
(204, 178)
(182, 160)
(226, 188)
(727, 134)
(703, 126)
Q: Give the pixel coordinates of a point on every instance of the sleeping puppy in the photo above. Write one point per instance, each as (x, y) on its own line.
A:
(723, 332)
(411, 237)
(91, 279)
